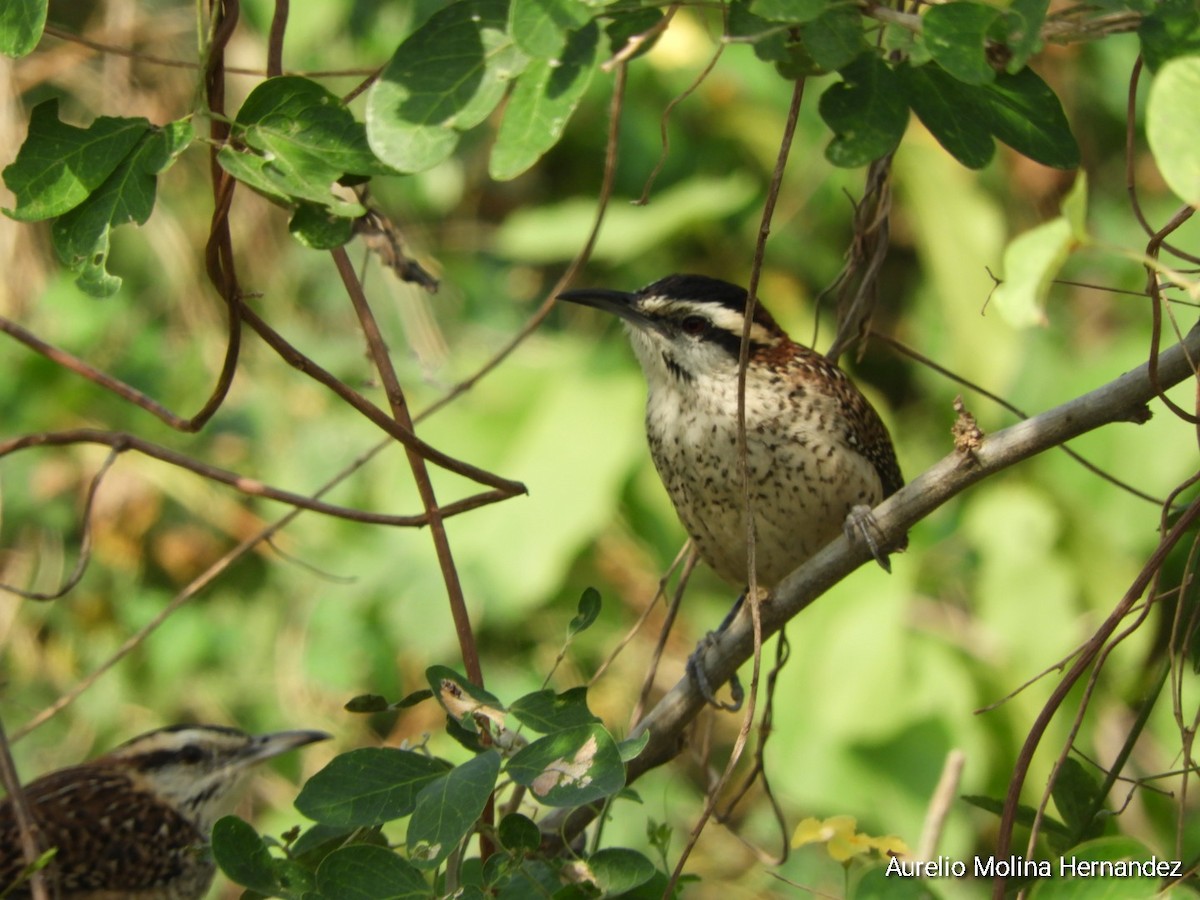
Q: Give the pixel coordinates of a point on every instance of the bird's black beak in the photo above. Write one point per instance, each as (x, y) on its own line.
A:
(619, 303)
(265, 746)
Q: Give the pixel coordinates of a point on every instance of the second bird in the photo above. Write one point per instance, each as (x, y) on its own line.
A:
(816, 449)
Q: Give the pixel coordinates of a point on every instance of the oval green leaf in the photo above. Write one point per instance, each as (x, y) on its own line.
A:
(1172, 127)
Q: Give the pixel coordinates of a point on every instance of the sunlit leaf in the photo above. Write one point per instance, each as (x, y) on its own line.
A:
(1172, 129)
(541, 104)
(21, 24)
(59, 165)
(1031, 261)
(446, 77)
(542, 27)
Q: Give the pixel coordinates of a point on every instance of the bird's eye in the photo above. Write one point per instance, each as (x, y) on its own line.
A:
(190, 754)
(694, 325)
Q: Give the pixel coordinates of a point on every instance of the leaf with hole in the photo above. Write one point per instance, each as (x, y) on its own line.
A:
(571, 767)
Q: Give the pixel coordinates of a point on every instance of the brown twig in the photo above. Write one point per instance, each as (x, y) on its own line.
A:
(150, 59)
(194, 587)
(85, 543)
(416, 461)
(121, 442)
(665, 118)
(1095, 646)
(373, 413)
(275, 39)
(753, 600)
(580, 260)
(124, 391)
(26, 833)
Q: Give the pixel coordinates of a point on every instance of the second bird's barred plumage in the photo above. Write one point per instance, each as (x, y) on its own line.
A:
(816, 449)
(92, 815)
(134, 824)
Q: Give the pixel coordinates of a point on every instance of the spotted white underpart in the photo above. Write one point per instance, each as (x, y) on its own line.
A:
(815, 447)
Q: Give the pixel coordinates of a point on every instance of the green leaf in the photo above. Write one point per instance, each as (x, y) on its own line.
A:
(242, 855)
(956, 36)
(318, 228)
(792, 11)
(835, 38)
(21, 25)
(59, 165)
(368, 786)
(445, 78)
(571, 767)
(546, 712)
(631, 748)
(366, 872)
(541, 27)
(519, 834)
(1031, 261)
(81, 236)
(866, 112)
(586, 613)
(1078, 875)
(1024, 23)
(448, 809)
(1074, 207)
(554, 232)
(877, 884)
(942, 102)
(1171, 128)
(1026, 815)
(1075, 792)
(541, 104)
(366, 703)
(1022, 111)
(617, 870)
(625, 24)
(299, 140)
(1170, 29)
(303, 122)
(414, 698)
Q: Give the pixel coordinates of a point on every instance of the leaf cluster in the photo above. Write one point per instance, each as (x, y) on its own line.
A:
(362, 795)
(961, 68)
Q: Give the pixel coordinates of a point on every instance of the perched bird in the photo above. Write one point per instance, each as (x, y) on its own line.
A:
(135, 822)
(816, 449)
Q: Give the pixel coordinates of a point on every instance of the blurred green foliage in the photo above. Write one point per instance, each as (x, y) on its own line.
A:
(887, 674)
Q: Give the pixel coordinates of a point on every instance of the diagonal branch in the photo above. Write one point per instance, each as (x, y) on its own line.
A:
(1121, 400)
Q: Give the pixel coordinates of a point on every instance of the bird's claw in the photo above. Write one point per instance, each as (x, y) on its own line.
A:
(860, 525)
(695, 669)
